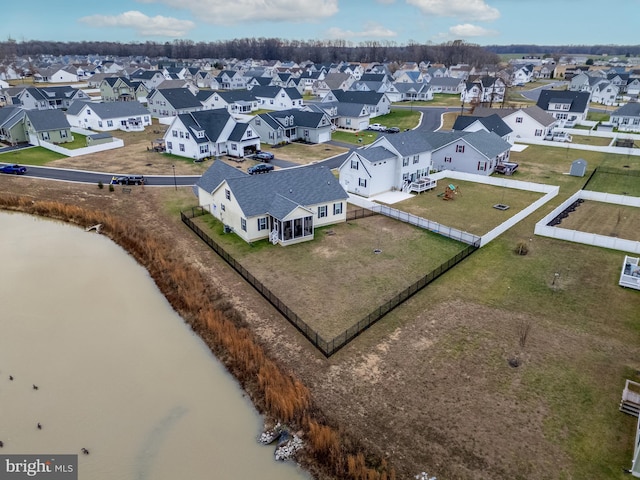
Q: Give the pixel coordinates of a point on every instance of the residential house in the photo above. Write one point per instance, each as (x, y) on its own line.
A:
(472, 152)
(150, 78)
(45, 98)
(484, 90)
(332, 81)
(107, 116)
(569, 108)
(234, 101)
(56, 74)
(448, 85)
(627, 117)
(390, 162)
(633, 87)
(491, 123)
(277, 98)
(207, 133)
(121, 89)
(283, 206)
(47, 126)
(172, 101)
(291, 125)
(410, 92)
(522, 74)
(526, 123)
(605, 93)
(231, 80)
(377, 104)
(12, 128)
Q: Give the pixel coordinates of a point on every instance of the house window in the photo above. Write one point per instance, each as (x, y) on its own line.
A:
(518, 119)
(459, 148)
(447, 159)
(416, 158)
(227, 194)
(362, 182)
(482, 166)
(234, 147)
(538, 133)
(186, 135)
(100, 123)
(175, 133)
(181, 134)
(337, 208)
(243, 224)
(169, 145)
(354, 165)
(258, 121)
(405, 161)
(45, 135)
(182, 147)
(322, 211)
(109, 123)
(262, 223)
(63, 134)
(204, 148)
(222, 207)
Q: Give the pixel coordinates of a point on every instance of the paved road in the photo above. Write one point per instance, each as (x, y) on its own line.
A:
(534, 93)
(431, 120)
(80, 176)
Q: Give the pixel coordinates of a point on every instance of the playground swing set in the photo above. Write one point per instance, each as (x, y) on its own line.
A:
(450, 192)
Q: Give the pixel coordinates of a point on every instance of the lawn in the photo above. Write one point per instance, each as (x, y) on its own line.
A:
(302, 153)
(471, 209)
(445, 100)
(36, 156)
(618, 174)
(591, 140)
(364, 137)
(605, 219)
(79, 141)
(400, 118)
(337, 279)
(598, 116)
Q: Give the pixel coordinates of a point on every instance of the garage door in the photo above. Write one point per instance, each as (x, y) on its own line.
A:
(363, 125)
(324, 137)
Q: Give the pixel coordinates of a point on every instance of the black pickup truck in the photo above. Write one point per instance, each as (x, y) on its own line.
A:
(128, 180)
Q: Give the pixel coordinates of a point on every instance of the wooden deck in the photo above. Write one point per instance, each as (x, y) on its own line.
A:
(422, 185)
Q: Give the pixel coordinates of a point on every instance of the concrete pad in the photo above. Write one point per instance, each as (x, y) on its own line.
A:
(391, 197)
(518, 147)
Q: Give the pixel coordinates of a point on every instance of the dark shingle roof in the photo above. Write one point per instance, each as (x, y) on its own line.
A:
(178, 98)
(631, 109)
(579, 100)
(273, 193)
(367, 98)
(44, 120)
(106, 110)
(493, 123)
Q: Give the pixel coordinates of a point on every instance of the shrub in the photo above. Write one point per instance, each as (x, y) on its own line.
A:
(100, 185)
(111, 188)
(522, 248)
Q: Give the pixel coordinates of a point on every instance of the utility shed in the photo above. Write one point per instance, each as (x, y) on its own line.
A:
(578, 168)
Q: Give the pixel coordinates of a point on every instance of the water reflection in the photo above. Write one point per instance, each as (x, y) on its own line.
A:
(117, 370)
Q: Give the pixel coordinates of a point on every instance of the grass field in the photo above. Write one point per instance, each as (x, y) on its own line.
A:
(36, 156)
(367, 137)
(322, 280)
(589, 140)
(400, 118)
(79, 141)
(472, 208)
(617, 175)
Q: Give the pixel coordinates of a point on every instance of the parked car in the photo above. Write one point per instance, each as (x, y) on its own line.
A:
(393, 130)
(128, 180)
(260, 168)
(264, 156)
(13, 169)
(376, 127)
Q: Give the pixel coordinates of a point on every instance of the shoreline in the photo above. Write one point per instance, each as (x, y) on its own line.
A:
(275, 393)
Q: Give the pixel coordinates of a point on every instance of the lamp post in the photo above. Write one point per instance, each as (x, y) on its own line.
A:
(175, 183)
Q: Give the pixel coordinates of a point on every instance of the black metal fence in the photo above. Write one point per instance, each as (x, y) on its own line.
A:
(329, 347)
(359, 213)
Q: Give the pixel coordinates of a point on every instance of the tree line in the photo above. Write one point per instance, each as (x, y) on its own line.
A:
(554, 50)
(317, 51)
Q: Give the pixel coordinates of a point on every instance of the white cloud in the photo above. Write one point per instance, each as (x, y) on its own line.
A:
(468, 30)
(476, 10)
(144, 25)
(370, 31)
(225, 12)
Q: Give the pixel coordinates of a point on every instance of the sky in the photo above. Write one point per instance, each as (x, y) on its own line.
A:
(484, 22)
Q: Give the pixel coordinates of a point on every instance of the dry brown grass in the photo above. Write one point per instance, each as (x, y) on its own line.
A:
(276, 392)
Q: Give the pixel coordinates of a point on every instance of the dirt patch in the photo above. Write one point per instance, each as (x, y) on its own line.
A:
(604, 219)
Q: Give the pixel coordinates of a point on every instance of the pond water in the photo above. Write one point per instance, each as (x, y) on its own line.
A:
(118, 372)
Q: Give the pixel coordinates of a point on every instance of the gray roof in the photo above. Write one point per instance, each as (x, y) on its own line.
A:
(44, 120)
(376, 154)
(535, 112)
(266, 194)
(212, 122)
(579, 100)
(301, 118)
(272, 92)
(631, 109)
(487, 143)
(411, 142)
(367, 98)
(9, 116)
(445, 81)
(178, 98)
(107, 110)
(493, 123)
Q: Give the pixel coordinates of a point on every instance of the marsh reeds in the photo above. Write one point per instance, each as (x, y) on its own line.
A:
(275, 392)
